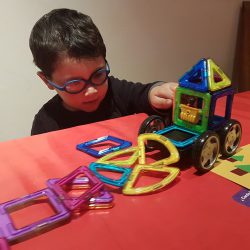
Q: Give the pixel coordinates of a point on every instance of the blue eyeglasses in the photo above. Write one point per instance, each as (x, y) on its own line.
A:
(97, 78)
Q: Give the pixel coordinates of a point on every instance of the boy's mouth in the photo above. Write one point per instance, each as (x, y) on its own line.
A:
(90, 101)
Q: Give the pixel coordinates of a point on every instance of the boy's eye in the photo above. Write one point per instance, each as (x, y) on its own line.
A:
(76, 83)
(99, 76)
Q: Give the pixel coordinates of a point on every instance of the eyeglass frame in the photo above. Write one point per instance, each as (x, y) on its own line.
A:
(87, 82)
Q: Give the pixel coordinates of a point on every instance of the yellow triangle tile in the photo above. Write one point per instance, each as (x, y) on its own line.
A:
(109, 158)
(212, 70)
(128, 189)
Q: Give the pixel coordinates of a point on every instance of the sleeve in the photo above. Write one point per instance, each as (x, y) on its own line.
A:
(132, 97)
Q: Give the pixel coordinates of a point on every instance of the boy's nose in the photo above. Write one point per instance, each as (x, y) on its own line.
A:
(90, 91)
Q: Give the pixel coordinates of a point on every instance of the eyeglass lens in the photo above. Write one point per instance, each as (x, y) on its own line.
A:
(98, 78)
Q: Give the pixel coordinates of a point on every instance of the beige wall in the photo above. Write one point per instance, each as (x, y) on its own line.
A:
(146, 40)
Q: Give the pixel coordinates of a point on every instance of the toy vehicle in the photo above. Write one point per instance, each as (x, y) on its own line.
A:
(196, 129)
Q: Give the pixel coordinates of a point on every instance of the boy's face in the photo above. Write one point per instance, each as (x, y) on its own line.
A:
(69, 69)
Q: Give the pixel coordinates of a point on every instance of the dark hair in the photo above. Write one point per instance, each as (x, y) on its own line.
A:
(64, 32)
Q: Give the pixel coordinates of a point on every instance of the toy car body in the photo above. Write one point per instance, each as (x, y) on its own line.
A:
(196, 128)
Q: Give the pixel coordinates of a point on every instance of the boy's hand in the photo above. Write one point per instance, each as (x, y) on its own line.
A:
(161, 96)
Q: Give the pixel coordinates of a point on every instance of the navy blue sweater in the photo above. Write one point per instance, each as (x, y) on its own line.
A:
(122, 98)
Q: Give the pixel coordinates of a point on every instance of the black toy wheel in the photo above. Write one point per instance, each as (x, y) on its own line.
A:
(150, 125)
(230, 136)
(205, 151)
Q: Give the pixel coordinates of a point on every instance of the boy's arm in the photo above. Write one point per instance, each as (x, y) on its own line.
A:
(133, 98)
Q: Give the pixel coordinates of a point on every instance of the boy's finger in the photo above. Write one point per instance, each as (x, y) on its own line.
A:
(162, 103)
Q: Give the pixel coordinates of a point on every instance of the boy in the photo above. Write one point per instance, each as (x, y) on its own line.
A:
(70, 52)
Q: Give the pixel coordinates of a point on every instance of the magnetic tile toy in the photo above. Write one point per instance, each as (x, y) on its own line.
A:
(112, 168)
(101, 197)
(77, 183)
(87, 147)
(7, 227)
(4, 244)
(196, 75)
(129, 188)
(72, 203)
(111, 158)
(101, 205)
(173, 157)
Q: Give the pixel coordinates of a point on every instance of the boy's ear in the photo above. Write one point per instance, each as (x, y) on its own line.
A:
(43, 77)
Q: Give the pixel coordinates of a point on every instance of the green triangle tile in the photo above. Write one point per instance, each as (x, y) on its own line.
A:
(238, 157)
(244, 167)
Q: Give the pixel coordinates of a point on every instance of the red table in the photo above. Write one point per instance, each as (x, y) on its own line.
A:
(196, 212)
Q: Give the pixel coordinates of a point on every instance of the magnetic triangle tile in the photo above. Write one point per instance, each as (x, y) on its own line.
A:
(131, 154)
(196, 78)
(129, 188)
(217, 79)
(95, 167)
